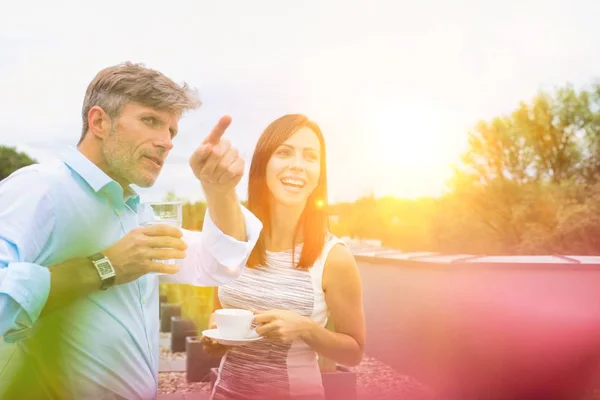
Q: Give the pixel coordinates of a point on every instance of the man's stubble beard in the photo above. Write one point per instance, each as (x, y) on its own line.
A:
(119, 159)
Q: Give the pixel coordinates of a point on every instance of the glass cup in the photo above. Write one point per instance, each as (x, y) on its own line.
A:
(160, 213)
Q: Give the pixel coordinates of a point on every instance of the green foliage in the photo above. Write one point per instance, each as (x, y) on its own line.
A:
(11, 160)
(193, 215)
(171, 196)
(528, 184)
(522, 184)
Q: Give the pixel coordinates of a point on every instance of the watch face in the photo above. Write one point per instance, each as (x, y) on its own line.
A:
(104, 268)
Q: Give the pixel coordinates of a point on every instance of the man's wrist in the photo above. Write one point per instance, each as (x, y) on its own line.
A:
(91, 276)
(213, 196)
(105, 270)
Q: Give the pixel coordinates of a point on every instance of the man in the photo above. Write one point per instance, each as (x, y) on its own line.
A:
(75, 289)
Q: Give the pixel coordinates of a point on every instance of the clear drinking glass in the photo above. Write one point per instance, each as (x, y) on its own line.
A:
(160, 213)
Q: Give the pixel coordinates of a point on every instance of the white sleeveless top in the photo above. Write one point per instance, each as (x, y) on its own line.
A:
(268, 369)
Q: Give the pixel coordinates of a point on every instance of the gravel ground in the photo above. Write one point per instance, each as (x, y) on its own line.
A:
(375, 380)
(175, 382)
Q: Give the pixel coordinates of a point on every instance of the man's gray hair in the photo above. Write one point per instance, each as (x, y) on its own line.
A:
(115, 86)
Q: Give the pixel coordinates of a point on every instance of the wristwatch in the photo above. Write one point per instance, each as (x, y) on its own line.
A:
(105, 270)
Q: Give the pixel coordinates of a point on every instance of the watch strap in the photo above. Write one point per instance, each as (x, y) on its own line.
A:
(97, 257)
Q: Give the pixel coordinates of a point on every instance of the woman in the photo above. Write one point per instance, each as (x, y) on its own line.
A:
(297, 276)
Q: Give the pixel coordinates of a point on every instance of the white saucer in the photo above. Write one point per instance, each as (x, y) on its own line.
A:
(214, 335)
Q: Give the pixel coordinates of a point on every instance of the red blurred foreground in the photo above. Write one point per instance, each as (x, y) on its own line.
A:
(487, 330)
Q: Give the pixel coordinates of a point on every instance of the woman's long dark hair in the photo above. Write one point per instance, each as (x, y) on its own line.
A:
(314, 218)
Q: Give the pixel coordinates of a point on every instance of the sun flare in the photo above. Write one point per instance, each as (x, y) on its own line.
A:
(412, 151)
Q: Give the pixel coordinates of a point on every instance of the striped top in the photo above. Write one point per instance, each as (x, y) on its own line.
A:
(268, 369)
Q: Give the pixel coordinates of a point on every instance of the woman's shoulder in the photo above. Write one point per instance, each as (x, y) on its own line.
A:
(336, 251)
(332, 240)
(340, 266)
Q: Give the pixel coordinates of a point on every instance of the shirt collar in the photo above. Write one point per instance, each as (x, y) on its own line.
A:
(96, 178)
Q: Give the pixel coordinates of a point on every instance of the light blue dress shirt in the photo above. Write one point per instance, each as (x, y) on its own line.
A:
(69, 208)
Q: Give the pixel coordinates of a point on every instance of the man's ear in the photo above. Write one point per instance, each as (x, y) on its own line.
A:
(99, 122)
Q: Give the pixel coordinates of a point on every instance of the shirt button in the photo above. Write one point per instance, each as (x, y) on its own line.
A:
(150, 346)
(143, 300)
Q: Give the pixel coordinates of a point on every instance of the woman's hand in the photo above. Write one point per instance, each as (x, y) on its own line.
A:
(212, 347)
(282, 325)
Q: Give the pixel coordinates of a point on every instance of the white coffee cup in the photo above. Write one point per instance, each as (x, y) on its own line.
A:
(233, 323)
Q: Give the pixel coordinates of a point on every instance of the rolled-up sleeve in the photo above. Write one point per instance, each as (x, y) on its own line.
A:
(24, 289)
(214, 258)
(26, 224)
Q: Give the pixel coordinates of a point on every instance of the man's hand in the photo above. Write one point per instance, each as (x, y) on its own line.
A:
(216, 163)
(134, 255)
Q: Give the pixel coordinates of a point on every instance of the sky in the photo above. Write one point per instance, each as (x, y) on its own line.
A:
(394, 85)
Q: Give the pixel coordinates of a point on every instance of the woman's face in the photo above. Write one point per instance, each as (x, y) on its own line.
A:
(294, 168)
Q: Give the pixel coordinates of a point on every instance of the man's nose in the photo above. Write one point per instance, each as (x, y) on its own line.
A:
(166, 142)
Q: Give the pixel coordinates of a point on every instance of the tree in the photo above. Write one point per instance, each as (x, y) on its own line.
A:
(11, 160)
(193, 215)
(523, 175)
(591, 164)
(553, 127)
(499, 150)
(171, 196)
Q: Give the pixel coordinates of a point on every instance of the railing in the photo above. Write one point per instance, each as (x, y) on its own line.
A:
(433, 259)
